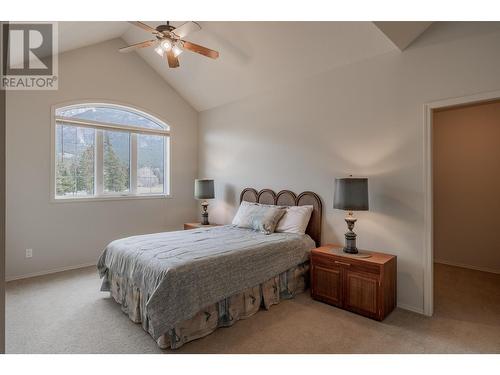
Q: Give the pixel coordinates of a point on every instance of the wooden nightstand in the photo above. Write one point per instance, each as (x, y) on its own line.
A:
(366, 286)
(198, 225)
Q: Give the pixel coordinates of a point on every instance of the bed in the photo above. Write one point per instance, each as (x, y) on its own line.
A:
(183, 285)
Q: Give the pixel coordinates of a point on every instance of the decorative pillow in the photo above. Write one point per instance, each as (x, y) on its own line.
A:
(258, 217)
(295, 219)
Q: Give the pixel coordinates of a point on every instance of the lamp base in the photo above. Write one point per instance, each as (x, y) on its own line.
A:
(350, 236)
(204, 219)
(204, 214)
(350, 250)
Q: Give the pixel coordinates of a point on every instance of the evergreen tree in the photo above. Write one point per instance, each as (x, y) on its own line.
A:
(85, 171)
(65, 180)
(116, 176)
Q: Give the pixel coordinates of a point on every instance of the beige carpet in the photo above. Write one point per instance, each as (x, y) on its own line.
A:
(66, 313)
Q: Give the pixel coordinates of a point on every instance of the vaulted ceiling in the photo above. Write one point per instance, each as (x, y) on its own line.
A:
(254, 56)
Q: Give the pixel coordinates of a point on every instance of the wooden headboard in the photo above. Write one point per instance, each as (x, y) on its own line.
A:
(289, 198)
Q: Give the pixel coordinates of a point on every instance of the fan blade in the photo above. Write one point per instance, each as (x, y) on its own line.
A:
(135, 46)
(143, 26)
(186, 28)
(173, 62)
(200, 49)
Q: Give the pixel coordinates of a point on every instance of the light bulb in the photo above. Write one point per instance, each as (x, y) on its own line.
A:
(159, 50)
(166, 44)
(176, 50)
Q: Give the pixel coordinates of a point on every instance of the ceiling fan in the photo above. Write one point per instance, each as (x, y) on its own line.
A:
(169, 41)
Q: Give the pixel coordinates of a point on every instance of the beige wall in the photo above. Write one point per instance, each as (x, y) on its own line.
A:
(71, 234)
(466, 178)
(365, 119)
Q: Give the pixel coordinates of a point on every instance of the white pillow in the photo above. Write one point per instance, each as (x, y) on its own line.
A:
(295, 219)
(241, 212)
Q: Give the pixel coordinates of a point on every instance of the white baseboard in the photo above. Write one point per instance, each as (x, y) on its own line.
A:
(411, 308)
(48, 272)
(476, 268)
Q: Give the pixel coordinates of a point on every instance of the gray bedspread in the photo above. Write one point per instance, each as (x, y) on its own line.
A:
(182, 272)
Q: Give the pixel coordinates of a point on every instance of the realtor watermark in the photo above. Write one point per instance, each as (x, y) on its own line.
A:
(29, 59)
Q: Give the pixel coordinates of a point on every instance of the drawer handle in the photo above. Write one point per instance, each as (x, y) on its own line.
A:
(343, 263)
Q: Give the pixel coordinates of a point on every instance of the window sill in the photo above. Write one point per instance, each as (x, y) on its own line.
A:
(110, 198)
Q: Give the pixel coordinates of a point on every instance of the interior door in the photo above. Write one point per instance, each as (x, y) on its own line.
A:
(327, 284)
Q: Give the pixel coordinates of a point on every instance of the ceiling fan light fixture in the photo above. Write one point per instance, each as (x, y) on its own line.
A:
(176, 50)
(166, 44)
(159, 50)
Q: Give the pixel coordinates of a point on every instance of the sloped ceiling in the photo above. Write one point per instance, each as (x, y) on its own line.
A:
(255, 56)
(73, 35)
(402, 34)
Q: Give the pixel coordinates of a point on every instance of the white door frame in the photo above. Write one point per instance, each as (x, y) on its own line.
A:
(428, 210)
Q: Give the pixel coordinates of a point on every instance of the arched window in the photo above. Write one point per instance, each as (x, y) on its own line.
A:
(107, 151)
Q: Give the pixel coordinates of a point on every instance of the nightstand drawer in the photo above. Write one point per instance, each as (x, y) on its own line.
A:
(350, 263)
(322, 260)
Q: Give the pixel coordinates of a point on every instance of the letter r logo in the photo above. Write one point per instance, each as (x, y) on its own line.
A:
(28, 49)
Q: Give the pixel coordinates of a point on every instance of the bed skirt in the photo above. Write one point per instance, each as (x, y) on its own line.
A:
(220, 314)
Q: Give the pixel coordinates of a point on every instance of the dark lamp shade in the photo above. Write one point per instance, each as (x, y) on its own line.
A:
(351, 194)
(204, 189)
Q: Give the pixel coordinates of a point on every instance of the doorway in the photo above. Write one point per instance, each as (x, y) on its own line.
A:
(463, 169)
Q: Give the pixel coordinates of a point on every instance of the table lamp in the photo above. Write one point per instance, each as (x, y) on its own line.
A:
(204, 189)
(351, 194)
